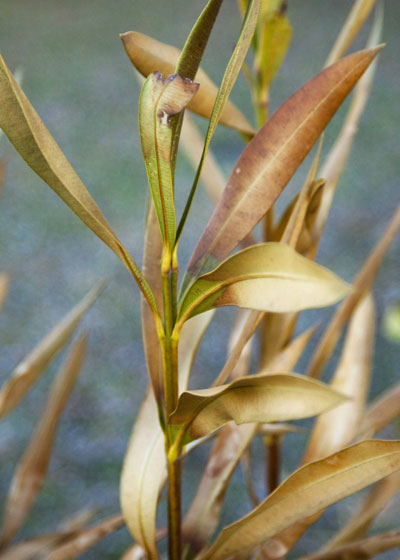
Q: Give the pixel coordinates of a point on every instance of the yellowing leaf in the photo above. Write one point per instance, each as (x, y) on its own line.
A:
(31, 471)
(256, 398)
(149, 55)
(160, 99)
(37, 147)
(272, 157)
(29, 370)
(265, 277)
(4, 282)
(337, 428)
(308, 490)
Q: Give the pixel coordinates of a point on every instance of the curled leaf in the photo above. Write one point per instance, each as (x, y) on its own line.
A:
(149, 55)
(256, 398)
(29, 370)
(310, 489)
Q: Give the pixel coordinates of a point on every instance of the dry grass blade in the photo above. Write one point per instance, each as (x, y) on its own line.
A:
(143, 475)
(152, 253)
(361, 521)
(32, 468)
(338, 428)
(37, 147)
(271, 158)
(4, 283)
(361, 285)
(242, 338)
(204, 513)
(29, 370)
(355, 20)
(85, 539)
(380, 413)
(339, 153)
(366, 548)
(149, 55)
(255, 398)
(307, 491)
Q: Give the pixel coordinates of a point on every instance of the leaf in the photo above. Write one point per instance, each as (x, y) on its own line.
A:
(143, 475)
(86, 538)
(381, 412)
(289, 355)
(160, 99)
(391, 323)
(149, 55)
(337, 428)
(135, 552)
(152, 253)
(4, 283)
(265, 277)
(361, 520)
(32, 468)
(29, 370)
(37, 147)
(367, 548)
(362, 284)
(255, 398)
(272, 157)
(355, 20)
(310, 489)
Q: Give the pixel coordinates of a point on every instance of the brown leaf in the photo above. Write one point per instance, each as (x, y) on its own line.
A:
(29, 370)
(4, 283)
(380, 413)
(149, 55)
(308, 490)
(32, 469)
(271, 158)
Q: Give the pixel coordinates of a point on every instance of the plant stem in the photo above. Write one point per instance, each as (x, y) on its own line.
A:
(273, 449)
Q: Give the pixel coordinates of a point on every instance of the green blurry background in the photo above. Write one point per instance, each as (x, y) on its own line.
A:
(79, 79)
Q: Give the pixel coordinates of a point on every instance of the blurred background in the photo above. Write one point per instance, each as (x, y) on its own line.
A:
(77, 76)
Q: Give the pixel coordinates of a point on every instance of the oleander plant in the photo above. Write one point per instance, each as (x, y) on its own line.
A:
(269, 273)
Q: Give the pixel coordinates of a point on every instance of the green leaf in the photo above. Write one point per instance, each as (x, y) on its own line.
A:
(271, 158)
(256, 398)
(266, 277)
(160, 99)
(307, 491)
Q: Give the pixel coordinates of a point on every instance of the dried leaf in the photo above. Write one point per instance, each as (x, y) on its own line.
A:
(367, 548)
(337, 428)
(85, 539)
(149, 55)
(4, 283)
(289, 355)
(272, 157)
(32, 469)
(308, 490)
(32, 549)
(160, 99)
(380, 413)
(143, 475)
(29, 370)
(355, 20)
(135, 552)
(361, 521)
(255, 398)
(362, 284)
(265, 277)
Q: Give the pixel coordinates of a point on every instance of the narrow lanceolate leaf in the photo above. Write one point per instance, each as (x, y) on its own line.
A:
(362, 284)
(152, 254)
(355, 20)
(256, 398)
(142, 477)
(272, 157)
(160, 99)
(265, 277)
(365, 548)
(29, 370)
(4, 282)
(310, 489)
(32, 468)
(358, 525)
(288, 356)
(338, 428)
(85, 539)
(149, 55)
(380, 413)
